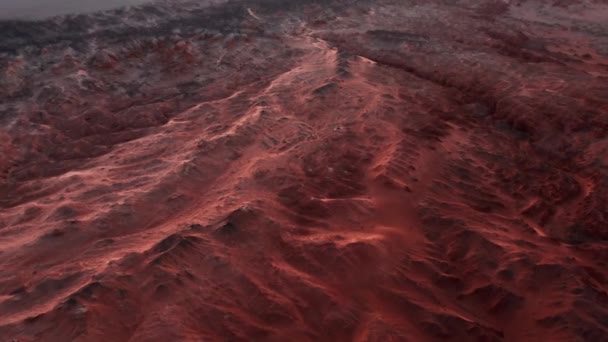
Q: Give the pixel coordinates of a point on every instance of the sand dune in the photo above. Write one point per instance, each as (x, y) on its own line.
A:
(319, 171)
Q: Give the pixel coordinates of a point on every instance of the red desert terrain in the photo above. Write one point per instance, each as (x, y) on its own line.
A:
(282, 170)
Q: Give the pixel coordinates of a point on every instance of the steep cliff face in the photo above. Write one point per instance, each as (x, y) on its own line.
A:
(280, 170)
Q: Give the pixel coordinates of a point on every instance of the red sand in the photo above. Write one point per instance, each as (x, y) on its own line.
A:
(378, 171)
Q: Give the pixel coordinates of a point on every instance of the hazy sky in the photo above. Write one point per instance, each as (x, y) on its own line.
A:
(34, 9)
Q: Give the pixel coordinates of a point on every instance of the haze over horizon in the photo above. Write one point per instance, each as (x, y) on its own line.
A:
(40, 9)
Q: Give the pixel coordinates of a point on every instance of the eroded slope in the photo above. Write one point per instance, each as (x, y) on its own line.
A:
(391, 170)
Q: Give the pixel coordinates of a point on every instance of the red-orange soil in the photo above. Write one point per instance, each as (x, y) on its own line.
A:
(306, 171)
